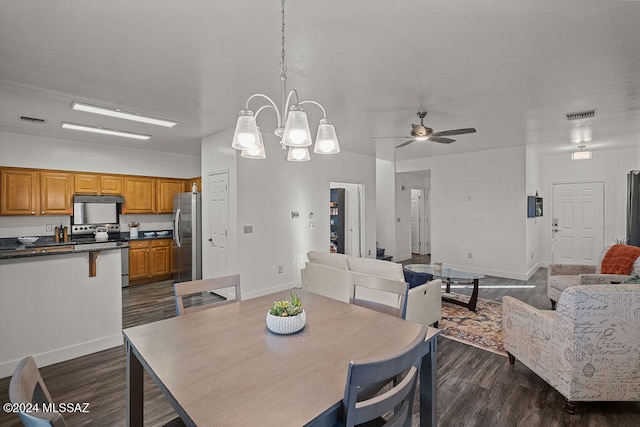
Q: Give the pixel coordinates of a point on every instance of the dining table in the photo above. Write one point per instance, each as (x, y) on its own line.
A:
(224, 367)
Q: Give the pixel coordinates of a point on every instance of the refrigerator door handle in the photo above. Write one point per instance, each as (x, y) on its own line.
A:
(176, 227)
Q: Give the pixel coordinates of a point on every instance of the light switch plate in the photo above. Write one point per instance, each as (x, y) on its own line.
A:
(248, 229)
(295, 214)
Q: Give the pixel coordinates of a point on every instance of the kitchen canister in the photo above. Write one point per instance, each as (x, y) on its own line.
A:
(133, 230)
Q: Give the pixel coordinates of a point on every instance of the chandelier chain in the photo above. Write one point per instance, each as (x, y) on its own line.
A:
(283, 66)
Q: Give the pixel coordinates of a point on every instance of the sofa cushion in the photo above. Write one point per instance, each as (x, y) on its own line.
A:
(563, 282)
(414, 278)
(374, 267)
(325, 258)
(619, 259)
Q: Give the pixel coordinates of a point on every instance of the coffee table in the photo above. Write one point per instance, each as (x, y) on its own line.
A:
(448, 276)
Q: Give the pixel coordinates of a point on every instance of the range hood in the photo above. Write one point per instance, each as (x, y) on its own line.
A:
(90, 198)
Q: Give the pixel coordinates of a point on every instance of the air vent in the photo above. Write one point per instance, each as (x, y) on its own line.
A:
(32, 120)
(581, 115)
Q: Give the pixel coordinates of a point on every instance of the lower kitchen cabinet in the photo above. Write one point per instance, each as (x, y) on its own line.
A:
(150, 261)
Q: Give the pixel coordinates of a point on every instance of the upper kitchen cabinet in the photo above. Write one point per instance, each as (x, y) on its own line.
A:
(35, 192)
(188, 184)
(139, 195)
(90, 183)
(56, 193)
(167, 188)
(19, 192)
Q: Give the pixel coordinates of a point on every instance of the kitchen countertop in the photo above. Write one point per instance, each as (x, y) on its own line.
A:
(60, 249)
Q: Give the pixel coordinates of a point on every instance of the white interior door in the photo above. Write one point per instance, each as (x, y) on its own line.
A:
(415, 221)
(577, 223)
(353, 213)
(219, 222)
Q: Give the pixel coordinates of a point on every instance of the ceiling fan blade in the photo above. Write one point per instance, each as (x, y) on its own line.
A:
(396, 137)
(441, 140)
(405, 143)
(454, 132)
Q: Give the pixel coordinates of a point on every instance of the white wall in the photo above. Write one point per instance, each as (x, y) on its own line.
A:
(385, 206)
(534, 226)
(610, 167)
(263, 194)
(478, 205)
(51, 153)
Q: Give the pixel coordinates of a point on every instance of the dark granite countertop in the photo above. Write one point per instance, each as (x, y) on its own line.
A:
(25, 251)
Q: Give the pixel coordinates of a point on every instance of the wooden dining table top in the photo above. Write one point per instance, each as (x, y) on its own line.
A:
(222, 366)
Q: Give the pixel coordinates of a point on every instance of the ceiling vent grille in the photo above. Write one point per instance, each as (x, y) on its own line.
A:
(581, 115)
(32, 120)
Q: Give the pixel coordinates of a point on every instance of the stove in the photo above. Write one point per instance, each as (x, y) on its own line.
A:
(85, 233)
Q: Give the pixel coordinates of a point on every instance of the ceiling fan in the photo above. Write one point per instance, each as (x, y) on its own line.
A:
(423, 133)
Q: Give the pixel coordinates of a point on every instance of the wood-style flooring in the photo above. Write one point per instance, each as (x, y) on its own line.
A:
(475, 387)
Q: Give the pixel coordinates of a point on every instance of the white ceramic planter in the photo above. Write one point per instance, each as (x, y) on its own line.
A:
(286, 325)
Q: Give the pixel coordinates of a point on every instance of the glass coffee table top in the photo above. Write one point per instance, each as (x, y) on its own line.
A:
(446, 273)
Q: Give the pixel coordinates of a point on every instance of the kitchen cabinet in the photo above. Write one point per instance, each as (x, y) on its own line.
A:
(91, 183)
(150, 260)
(20, 193)
(56, 193)
(188, 183)
(33, 192)
(139, 195)
(167, 187)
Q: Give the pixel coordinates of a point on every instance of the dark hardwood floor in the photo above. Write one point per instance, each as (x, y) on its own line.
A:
(475, 387)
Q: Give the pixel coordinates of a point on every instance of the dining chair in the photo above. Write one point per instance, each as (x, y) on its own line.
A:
(27, 388)
(380, 294)
(393, 405)
(186, 289)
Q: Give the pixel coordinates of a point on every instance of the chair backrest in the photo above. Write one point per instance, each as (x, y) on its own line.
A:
(185, 289)
(375, 294)
(400, 371)
(27, 386)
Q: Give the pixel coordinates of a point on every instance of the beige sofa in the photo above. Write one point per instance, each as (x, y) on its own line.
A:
(587, 349)
(331, 275)
(563, 276)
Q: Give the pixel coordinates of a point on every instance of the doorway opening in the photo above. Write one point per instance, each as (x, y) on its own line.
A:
(346, 219)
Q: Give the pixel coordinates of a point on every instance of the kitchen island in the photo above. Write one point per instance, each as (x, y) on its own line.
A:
(59, 302)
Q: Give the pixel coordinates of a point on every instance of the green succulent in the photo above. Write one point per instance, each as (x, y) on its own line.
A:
(287, 308)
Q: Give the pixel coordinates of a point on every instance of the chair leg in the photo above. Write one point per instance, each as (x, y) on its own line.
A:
(512, 358)
(553, 304)
(571, 406)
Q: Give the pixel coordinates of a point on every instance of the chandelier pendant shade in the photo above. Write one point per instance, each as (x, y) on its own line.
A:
(292, 123)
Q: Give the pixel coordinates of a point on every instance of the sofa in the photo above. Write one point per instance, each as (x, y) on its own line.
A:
(587, 349)
(563, 276)
(331, 275)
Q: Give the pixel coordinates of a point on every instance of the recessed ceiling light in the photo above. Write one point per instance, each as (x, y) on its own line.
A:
(104, 131)
(114, 112)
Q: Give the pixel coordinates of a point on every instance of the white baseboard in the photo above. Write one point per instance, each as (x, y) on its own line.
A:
(65, 353)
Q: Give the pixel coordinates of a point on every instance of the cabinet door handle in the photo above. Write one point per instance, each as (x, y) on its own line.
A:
(42, 213)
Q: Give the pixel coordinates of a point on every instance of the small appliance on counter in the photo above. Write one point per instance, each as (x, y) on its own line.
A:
(133, 230)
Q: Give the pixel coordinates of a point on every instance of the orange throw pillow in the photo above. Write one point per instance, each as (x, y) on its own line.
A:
(619, 259)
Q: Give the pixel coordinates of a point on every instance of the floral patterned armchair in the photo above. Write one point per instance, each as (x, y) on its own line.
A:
(588, 349)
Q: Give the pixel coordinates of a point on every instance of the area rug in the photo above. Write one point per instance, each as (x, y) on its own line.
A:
(482, 329)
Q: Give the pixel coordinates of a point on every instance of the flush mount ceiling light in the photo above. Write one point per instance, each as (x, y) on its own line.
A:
(115, 112)
(104, 131)
(581, 155)
(293, 127)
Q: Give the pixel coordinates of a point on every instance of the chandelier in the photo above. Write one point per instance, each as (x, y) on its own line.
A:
(293, 126)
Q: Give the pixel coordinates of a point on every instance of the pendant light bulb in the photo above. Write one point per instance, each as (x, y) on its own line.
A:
(246, 134)
(296, 130)
(326, 139)
(298, 154)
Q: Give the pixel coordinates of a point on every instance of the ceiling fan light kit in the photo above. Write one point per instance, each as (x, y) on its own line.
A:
(295, 134)
(423, 133)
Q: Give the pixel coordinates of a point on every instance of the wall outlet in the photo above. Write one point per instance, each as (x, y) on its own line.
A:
(397, 219)
(49, 227)
(470, 255)
(311, 225)
(248, 229)
(369, 252)
(281, 269)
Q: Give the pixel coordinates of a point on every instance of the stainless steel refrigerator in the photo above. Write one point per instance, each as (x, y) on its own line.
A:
(187, 236)
(633, 208)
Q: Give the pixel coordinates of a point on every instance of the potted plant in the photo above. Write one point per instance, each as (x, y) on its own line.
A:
(286, 317)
